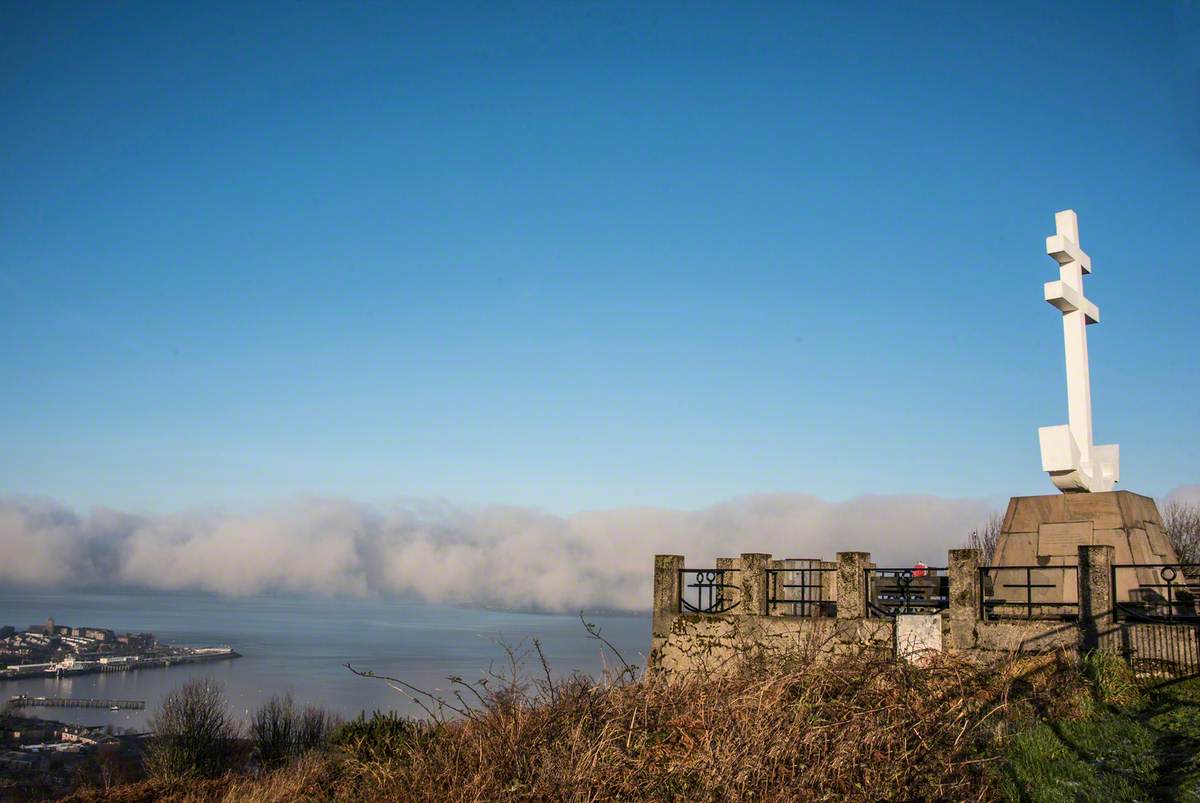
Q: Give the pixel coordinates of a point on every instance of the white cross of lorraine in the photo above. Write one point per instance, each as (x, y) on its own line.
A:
(1074, 463)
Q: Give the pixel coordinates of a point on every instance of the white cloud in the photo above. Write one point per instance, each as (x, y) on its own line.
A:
(501, 556)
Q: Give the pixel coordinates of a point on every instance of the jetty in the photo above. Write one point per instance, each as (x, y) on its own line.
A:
(26, 701)
(57, 650)
(89, 663)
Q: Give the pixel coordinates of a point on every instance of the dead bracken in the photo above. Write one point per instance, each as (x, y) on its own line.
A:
(858, 727)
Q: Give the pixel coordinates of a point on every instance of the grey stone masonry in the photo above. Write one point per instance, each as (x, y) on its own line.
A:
(962, 567)
(851, 584)
(753, 582)
(733, 594)
(684, 642)
(1095, 592)
(666, 593)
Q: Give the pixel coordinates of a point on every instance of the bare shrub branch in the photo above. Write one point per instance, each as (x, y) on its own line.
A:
(984, 538)
(281, 733)
(628, 671)
(1181, 522)
(193, 733)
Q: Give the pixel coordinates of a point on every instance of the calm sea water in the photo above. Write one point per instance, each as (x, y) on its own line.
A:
(302, 644)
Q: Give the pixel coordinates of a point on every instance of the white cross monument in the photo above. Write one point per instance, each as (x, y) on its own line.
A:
(1074, 463)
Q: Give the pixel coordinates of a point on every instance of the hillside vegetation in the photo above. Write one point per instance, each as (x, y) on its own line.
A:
(858, 728)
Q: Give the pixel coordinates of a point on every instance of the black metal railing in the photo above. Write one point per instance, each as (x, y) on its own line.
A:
(1009, 592)
(798, 591)
(924, 589)
(1160, 592)
(708, 590)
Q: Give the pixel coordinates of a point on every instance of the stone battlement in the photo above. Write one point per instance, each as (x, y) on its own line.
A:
(703, 617)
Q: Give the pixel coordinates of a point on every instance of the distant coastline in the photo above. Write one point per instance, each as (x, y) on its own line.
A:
(54, 650)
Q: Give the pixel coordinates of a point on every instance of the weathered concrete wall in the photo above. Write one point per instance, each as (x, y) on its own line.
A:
(1148, 646)
(700, 642)
(1017, 636)
(685, 642)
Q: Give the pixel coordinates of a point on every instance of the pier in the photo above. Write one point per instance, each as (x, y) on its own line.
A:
(24, 701)
(82, 665)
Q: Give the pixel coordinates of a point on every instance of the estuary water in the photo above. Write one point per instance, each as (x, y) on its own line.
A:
(301, 644)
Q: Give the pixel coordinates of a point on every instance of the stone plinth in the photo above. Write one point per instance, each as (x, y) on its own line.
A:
(1047, 531)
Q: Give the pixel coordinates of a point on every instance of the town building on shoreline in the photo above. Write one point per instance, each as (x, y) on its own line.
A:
(52, 649)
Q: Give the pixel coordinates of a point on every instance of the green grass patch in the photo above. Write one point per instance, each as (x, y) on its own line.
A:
(1130, 744)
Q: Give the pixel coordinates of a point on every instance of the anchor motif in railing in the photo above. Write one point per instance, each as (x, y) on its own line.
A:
(712, 593)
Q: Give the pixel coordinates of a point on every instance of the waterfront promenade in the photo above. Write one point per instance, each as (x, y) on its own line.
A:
(26, 701)
(82, 666)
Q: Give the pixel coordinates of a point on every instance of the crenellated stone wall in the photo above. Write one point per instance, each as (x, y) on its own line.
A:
(755, 626)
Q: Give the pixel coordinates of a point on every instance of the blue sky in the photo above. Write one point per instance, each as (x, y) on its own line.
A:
(587, 255)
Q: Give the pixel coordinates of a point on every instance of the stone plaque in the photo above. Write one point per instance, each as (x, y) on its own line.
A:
(1063, 538)
(918, 635)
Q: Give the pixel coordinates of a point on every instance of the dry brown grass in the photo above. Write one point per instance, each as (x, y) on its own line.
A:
(855, 728)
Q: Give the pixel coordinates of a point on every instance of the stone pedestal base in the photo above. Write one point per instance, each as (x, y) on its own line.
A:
(1047, 531)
